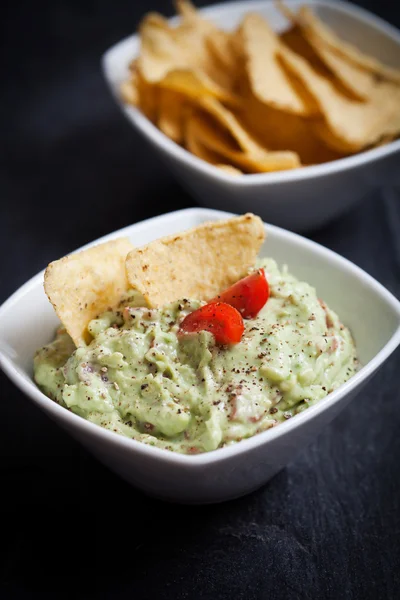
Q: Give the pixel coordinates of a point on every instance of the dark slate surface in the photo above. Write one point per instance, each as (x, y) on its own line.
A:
(72, 169)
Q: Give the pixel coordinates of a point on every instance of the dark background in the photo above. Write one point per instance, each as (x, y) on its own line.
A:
(72, 169)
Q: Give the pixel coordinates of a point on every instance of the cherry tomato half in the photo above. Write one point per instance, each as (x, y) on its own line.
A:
(248, 295)
(219, 318)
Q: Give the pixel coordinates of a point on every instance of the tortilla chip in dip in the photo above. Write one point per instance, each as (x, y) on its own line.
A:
(197, 263)
(83, 285)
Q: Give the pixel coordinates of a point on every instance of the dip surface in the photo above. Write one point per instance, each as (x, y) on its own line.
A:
(186, 394)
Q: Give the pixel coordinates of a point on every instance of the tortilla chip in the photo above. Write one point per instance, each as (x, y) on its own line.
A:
(129, 91)
(348, 79)
(194, 145)
(195, 84)
(198, 263)
(83, 285)
(277, 130)
(352, 125)
(386, 139)
(214, 45)
(179, 58)
(227, 120)
(162, 51)
(268, 81)
(356, 82)
(166, 47)
(320, 31)
(158, 53)
(157, 20)
(294, 39)
(187, 10)
(378, 126)
(220, 45)
(260, 162)
(171, 115)
(147, 96)
(230, 170)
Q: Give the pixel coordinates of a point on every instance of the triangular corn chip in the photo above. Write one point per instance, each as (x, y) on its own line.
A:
(262, 161)
(227, 120)
(353, 125)
(195, 84)
(233, 171)
(83, 285)
(268, 81)
(197, 263)
(346, 77)
(319, 30)
(171, 115)
(165, 49)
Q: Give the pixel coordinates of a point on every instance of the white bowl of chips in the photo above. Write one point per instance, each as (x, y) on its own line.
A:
(311, 144)
(27, 321)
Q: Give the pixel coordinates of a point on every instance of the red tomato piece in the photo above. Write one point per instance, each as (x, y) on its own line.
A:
(248, 295)
(220, 319)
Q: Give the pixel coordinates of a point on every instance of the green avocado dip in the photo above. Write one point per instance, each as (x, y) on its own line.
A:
(187, 394)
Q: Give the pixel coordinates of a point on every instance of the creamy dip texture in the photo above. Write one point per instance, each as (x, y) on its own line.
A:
(187, 394)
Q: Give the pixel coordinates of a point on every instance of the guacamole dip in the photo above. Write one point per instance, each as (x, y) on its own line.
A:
(185, 393)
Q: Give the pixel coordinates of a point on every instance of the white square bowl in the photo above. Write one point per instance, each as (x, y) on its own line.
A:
(301, 199)
(27, 321)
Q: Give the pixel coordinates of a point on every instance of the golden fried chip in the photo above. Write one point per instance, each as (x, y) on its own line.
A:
(221, 46)
(194, 145)
(350, 125)
(355, 81)
(178, 57)
(268, 81)
(319, 30)
(380, 122)
(260, 162)
(197, 263)
(165, 47)
(171, 115)
(347, 78)
(83, 285)
(195, 84)
(294, 39)
(145, 94)
(138, 92)
(277, 130)
(230, 170)
(228, 121)
(214, 44)
(218, 41)
(129, 91)
(159, 52)
(156, 20)
(187, 10)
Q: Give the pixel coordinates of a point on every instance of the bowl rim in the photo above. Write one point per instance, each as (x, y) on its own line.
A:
(200, 460)
(150, 131)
